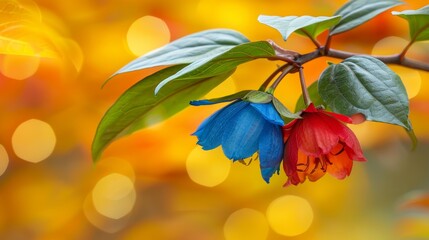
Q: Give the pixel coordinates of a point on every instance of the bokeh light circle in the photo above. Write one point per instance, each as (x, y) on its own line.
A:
(290, 215)
(246, 224)
(146, 34)
(207, 168)
(19, 67)
(4, 160)
(33, 140)
(114, 196)
(410, 77)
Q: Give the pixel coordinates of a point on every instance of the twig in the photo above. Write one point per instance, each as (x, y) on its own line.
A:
(388, 59)
(305, 94)
(271, 77)
(287, 70)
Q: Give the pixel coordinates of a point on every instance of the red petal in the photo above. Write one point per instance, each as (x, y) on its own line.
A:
(290, 160)
(311, 108)
(318, 134)
(358, 118)
(353, 149)
(287, 129)
(340, 117)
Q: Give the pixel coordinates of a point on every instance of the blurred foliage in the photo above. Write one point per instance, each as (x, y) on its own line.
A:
(55, 55)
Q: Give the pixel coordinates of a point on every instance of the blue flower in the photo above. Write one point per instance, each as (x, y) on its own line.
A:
(243, 128)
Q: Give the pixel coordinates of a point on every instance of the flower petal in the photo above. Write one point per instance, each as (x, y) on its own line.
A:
(201, 102)
(318, 134)
(270, 150)
(290, 160)
(241, 135)
(210, 131)
(341, 165)
(353, 149)
(268, 112)
(311, 108)
(317, 143)
(316, 168)
(341, 117)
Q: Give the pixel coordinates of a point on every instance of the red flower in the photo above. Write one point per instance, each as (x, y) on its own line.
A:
(317, 143)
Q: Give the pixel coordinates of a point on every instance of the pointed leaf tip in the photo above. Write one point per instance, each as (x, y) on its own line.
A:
(186, 50)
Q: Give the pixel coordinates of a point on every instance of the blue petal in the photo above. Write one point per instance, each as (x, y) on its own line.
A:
(201, 102)
(241, 137)
(210, 131)
(270, 150)
(269, 112)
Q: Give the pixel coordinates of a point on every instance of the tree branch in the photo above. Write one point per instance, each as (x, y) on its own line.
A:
(397, 59)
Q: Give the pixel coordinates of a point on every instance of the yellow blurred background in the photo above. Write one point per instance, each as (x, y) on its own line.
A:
(156, 183)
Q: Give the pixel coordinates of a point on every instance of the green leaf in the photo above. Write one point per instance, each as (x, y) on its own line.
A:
(357, 12)
(258, 97)
(188, 49)
(305, 25)
(228, 98)
(137, 107)
(363, 84)
(283, 110)
(418, 21)
(314, 96)
(222, 63)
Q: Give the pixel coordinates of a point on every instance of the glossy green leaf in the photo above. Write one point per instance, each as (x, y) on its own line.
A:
(188, 49)
(225, 62)
(228, 98)
(137, 107)
(357, 12)
(363, 84)
(418, 21)
(304, 25)
(314, 96)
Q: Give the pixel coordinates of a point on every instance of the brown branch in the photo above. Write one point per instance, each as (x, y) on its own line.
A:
(286, 70)
(397, 59)
(388, 59)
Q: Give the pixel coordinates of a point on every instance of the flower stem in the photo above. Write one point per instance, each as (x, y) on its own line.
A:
(305, 94)
(271, 77)
(286, 70)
